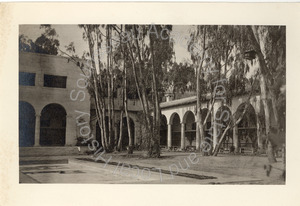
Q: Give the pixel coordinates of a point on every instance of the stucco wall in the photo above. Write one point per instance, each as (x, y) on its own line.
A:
(39, 96)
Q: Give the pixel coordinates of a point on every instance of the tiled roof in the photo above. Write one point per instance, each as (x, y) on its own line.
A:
(178, 102)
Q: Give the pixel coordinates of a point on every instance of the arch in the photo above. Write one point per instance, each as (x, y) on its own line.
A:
(26, 124)
(163, 130)
(190, 128)
(187, 114)
(176, 130)
(175, 114)
(247, 128)
(53, 125)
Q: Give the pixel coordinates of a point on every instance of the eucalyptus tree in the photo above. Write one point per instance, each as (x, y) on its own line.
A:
(47, 43)
(179, 78)
(269, 44)
(225, 47)
(211, 49)
(149, 49)
(102, 78)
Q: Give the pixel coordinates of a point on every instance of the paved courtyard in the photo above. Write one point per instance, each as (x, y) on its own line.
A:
(171, 168)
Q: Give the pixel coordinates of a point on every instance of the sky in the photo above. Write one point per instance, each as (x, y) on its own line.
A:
(72, 33)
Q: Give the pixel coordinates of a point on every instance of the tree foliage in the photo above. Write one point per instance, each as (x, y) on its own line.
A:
(218, 52)
(180, 78)
(47, 43)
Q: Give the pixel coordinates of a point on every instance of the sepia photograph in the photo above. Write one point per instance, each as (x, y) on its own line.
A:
(152, 104)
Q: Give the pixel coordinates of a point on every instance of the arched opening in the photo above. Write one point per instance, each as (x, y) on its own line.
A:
(53, 125)
(26, 124)
(247, 128)
(125, 135)
(190, 129)
(163, 130)
(176, 132)
(222, 117)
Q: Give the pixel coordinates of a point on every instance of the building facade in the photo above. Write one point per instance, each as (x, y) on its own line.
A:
(178, 127)
(55, 108)
(51, 97)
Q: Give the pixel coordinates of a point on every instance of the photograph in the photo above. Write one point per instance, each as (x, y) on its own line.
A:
(131, 103)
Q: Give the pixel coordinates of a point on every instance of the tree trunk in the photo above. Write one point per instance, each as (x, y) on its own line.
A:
(112, 145)
(154, 149)
(270, 147)
(138, 87)
(124, 92)
(200, 127)
(278, 126)
(275, 111)
(121, 132)
(130, 144)
(283, 160)
(263, 88)
(216, 150)
(109, 114)
(138, 76)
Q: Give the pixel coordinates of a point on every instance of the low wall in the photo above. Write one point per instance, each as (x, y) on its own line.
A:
(51, 151)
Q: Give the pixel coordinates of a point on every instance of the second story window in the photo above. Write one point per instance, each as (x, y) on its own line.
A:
(26, 79)
(55, 81)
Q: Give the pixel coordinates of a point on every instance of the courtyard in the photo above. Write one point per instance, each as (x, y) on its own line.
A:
(171, 168)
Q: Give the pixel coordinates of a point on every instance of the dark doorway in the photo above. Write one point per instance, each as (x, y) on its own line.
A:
(176, 130)
(53, 125)
(190, 129)
(163, 130)
(247, 129)
(26, 124)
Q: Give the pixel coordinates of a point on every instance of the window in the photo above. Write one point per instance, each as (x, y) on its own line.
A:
(55, 81)
(26, 79)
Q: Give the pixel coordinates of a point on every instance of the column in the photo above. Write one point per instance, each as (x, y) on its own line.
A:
(37, 130)
(235, 139)
(259, 136)
(216, 133)
(197, 137)
(261, 146)
(169, 135)
(182, 136)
